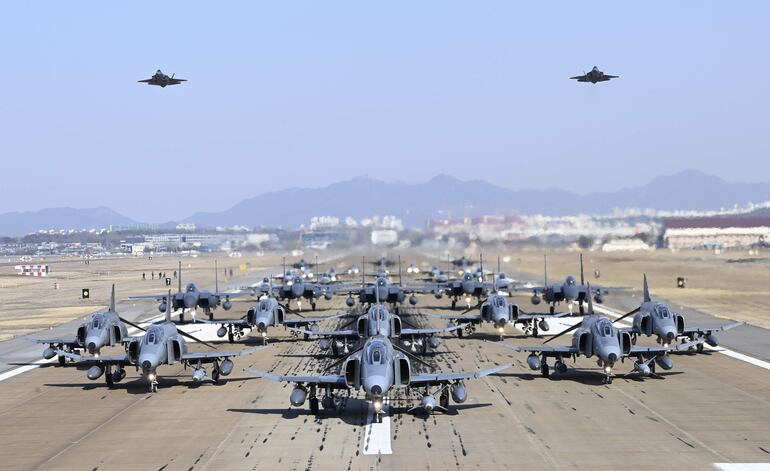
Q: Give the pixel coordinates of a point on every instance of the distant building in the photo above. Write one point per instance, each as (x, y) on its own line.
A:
(722, 232)
(625, 245)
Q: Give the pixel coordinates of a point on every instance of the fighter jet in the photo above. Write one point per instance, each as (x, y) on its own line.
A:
(656, 319)
(162, 344)
(353, 270)
(378, 321)
(413, 269)
(379, 368)
(569, 291)
(594, 76)
(162, 80)
(596, 336)
(104, 329)
(435, 274)
(297, 288)
(267, 313)
(192, 297)
(499, 312)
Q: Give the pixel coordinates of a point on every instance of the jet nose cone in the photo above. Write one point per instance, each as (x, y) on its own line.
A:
(146, 364)
(612, 357)
(670, 335)
(91, 347)
(376, 390)
(261, 327)
(189, 301)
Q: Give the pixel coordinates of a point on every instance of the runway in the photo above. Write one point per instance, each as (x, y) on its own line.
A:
(710, 408)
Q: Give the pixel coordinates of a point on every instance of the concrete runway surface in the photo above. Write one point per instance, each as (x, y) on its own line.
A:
(710, 408)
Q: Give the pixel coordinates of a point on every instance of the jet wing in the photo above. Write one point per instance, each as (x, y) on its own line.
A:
(145, 81)
(215, 355)
(532, 289)
(176, 81)
(330, 380)
(524, 316)
(548, 349)
(312, 320)
(705, 330)
(158, 297)
(429, 331)
(329, 333)
(69, 342)
(101, 358)
(242, 322)
(234, 294)
(662, 349)
(457, 317)
(579, 78)
(433, 378)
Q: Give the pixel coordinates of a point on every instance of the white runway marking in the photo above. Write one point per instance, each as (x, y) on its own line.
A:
(743, 466)
(377, 436)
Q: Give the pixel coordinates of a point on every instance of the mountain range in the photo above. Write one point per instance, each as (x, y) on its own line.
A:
(414, 203)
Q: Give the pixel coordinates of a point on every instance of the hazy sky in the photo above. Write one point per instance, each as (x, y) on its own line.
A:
(285, 94)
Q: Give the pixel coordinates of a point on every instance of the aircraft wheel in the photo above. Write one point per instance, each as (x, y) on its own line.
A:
(460, 333)
(230, 336)
(582, 309)
(652, 367)
(62, 360)
(312, 306)
(633, 340)
(108, 379)
(535, 332)
(211, 316)
(454, 304)
(424, 347)
(215, 375)
(443, 400)
(552, 309)
(153, 387)
(608, 380)
(699, 348)
(314, 405)
(307, 336)
(545, 370)
(335, 350)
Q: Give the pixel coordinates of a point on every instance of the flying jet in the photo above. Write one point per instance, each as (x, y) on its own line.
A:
(192, 297)
(104, 329)
(596, 336)
(267, 313)
(568, 291)
(379, 368)
(656, 319)
(594, 76)
(499, 312)
(378, 321)
(162, 344)
(162, 80)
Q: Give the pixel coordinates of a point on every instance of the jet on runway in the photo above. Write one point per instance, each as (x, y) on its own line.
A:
(379, 368)
(162, 344)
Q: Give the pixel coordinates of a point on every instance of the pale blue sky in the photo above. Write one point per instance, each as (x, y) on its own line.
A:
(287, 94)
